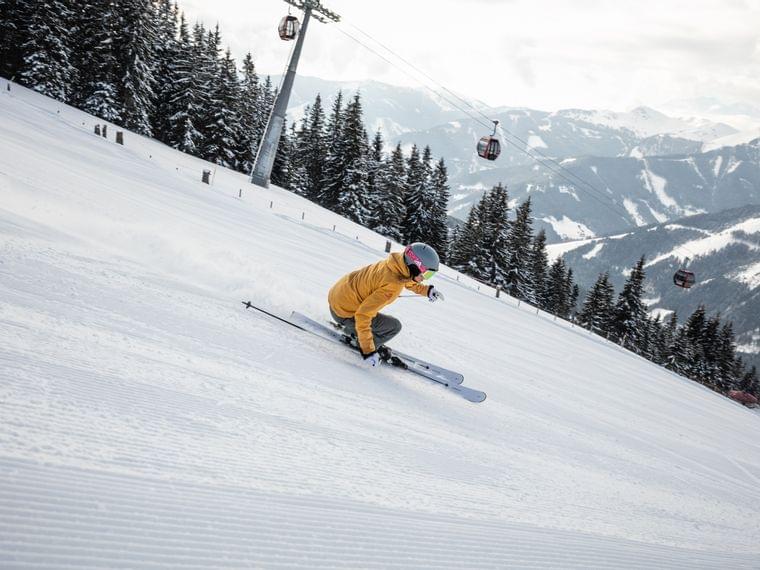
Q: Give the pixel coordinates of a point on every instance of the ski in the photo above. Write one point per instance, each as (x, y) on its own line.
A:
(447, 378)
(425, 369)
(445, 373)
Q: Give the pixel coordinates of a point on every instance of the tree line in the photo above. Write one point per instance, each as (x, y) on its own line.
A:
(138, 64)
(505, 253)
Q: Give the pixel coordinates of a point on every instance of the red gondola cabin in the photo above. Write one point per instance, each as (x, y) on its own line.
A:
(489, 148)
(288, 28)
(684, 278)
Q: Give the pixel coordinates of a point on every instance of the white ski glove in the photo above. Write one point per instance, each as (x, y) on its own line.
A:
(371, 360)
(434, 294)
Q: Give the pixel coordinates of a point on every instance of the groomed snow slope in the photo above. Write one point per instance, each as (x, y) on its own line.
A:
(148, 420)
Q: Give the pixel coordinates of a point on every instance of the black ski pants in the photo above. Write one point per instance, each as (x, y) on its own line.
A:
(384, 327)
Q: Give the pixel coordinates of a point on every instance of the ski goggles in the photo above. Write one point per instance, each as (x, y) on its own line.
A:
(414, 258)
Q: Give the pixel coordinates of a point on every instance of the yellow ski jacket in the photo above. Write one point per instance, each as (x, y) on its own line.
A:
(362, 293)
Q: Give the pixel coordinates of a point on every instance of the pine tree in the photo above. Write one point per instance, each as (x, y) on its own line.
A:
(166, 54)
(415, 198)
(726, 360)
(14, 33)
(223, 128)
(353, 201)
(538, 266)
(281, 172)
(375, 165)
(557, 295)
(438, 232)
(630, 315)
(597, 311)
(334, 169)
(96, 90)
(46, 64)
(315, 150)
(492, 255)
(749, 382)
(466, 246)
(251, 130)
(185, 100)
(137, 44)
(519, 278)
(298, 144)
(573, 292)
(694, 330)
(389, 205)
(681, 354)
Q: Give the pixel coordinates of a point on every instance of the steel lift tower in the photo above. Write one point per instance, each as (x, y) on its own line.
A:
(262, 166)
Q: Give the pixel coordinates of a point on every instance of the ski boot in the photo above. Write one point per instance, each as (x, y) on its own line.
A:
(387, 356)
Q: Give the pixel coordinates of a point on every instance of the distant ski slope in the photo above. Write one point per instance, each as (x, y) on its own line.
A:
(147, 420)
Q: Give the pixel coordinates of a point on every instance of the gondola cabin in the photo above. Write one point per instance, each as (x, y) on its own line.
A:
(684, 278)
(489, 148)
(288, 28)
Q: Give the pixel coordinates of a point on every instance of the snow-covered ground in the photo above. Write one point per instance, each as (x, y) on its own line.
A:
(148, 420)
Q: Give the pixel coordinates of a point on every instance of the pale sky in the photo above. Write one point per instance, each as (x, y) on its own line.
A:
(542, 54)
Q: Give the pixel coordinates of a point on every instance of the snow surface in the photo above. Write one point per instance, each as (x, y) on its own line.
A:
(567, 228)
(594, 251)
(148, 421)
(715, 242)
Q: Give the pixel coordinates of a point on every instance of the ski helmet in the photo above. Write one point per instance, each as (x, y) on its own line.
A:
(421, 259)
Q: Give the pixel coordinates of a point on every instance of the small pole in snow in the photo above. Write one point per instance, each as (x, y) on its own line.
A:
(333, 227)
(97, 130)
(271, 203)
(240, 193)
(303, 215)
(387, 246)
(498, 293)
(120, 139)
(105, 131)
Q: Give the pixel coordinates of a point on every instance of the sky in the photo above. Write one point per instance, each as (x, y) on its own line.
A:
(543, 54)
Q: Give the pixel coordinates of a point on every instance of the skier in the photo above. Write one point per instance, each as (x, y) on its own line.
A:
(356, 299)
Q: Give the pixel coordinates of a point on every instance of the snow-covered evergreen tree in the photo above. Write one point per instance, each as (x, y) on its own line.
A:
(46, 66)
(137, 44)
(389, 204)
(438, 233)
(630, 313)
(223, 128)
(492, 256)
(95, 56)
(185, 99)
(557, 292)
(597, 311)
(315, 150)
(465, 248)
(354, 198)
(14, 17)
(249, 113)
(166, 54)
(334, 169)
(415, 198)
(281, 172)
(518, 275)
(538, 267)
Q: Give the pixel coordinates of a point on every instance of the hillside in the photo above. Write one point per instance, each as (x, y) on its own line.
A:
(147, 420)
(725, 252)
